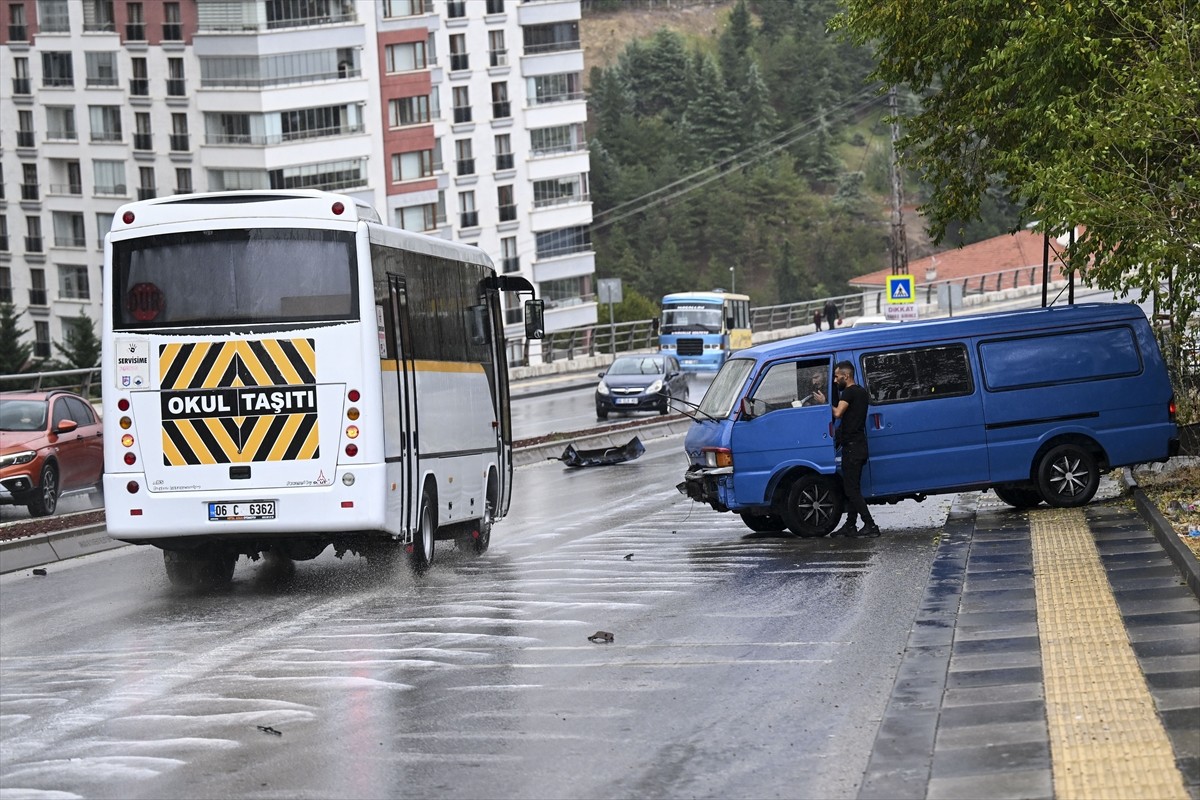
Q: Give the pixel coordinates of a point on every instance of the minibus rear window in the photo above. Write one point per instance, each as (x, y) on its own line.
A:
(1060, 358)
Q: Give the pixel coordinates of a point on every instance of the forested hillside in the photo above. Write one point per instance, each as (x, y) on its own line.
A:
(752, 155)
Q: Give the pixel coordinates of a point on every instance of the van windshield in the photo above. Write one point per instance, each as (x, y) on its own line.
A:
(718, 400)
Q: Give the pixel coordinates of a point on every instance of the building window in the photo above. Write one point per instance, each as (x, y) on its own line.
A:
(135, 22)
(101, 68)
(501, 108)
(464, 157)
(551, 38)
(73, 282)
(98, 16)
(509, 260)
(176, 85)
(6, 292)
(566, 292)
(408, 111)
(179, 133)
(68, 229)
(21, 82)
(417, 218)
(456, 9)
(412, 166)
(29, 182)
(18, 29)
(495, 6)
(557, 139)
(504, 199)
(404, 8)
(172, 22)
(405, 57)
(38, 296)
(504, 156)
(60, 124)
(142, 135)
(147, 189)
(57, 70)
(564, 241)
(5, 248)
(183, 181)
(459, 60)
(139, 84)
(497, 53)
(106, 123)
(25, 128)
(109, 177)
(54, 16)
(311, 123)
(557, 191)
(41, 336)
(327, 176)
(103, 226)
(33, 235)
(469, 217)
(462, 104)
(560, 88)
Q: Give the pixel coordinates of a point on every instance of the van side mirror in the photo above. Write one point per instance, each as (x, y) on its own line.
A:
(752, 408)
(535, 319)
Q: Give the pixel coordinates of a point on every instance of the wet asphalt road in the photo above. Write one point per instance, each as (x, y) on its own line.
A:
(743, 665)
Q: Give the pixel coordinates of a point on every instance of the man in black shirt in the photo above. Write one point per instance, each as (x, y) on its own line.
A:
(851, 409)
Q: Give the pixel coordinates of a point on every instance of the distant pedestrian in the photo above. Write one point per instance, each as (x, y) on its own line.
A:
(817, 319)
(851, 435)
(832, 315)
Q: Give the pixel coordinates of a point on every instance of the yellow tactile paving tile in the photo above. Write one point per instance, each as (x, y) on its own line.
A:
(1106, 740)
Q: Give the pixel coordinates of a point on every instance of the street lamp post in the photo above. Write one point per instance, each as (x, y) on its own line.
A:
(733, 279)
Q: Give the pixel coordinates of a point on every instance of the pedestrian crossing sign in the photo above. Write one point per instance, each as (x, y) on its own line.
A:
(900, 289)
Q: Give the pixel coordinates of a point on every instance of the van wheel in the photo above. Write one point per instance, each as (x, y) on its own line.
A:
(814, 506)
(763, 523)
(1068, 476)
(420, 552)
(1018, 498)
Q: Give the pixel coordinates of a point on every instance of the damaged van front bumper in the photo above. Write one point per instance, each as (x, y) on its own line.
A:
(711, 485)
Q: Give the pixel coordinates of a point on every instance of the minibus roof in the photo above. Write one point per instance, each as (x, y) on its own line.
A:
(990, 323)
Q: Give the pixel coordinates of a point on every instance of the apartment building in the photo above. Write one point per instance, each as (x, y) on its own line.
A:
(463, 119)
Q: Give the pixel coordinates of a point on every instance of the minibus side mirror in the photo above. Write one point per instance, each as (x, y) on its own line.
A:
(535, 319)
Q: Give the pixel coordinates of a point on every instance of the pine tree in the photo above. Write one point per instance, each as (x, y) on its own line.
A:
(82, 346)
(734, 47)
(14, 353)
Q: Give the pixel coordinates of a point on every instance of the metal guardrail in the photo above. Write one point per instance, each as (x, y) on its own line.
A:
(84, 381)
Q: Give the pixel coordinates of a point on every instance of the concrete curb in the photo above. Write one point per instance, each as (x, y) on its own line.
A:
(1164, 531)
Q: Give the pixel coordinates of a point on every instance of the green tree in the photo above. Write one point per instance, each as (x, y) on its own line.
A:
(14, 352)
(712, 119)
(82, 347)
(733, 45)
(1089, 113)
(634, 307)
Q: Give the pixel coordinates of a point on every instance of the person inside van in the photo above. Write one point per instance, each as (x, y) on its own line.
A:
(851, 435)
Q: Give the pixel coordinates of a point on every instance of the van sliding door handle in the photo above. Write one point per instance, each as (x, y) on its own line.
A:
(877, 421)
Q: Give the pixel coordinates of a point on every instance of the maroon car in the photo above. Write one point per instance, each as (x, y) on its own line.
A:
(50, 445)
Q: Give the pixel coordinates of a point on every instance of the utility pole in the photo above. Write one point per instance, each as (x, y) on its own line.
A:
(897, 241)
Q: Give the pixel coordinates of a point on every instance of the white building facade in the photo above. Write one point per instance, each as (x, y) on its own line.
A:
(460, 118)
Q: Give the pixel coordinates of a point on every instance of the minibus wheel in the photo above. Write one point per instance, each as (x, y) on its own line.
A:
(1018, 498)
(814, 506)
(763, 523)
(420, 555)
(1068, 476)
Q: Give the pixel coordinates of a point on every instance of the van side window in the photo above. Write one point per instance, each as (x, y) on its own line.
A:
(1059, 358)
(792, 384)
(926, 373)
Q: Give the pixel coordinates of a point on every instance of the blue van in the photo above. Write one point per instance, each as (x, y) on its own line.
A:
(1035, 404)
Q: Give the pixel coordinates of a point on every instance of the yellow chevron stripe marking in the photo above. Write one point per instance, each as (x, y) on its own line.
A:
(187, 376)
(166, 357)
(188, 429)
(220, 366)
(226, 442)
(307, 353)
(257, 371)
(280, 446)
(282, 362)
(309, 449)
(170, 451)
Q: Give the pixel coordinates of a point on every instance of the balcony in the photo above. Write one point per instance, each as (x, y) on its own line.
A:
(176, 87)
(18, 32)
(556, 97)
(498, 58)
(24, 138)
(501, 109)
(508, 213)
(469, 219)
(38, 297)
(4, 249)
(184, 190)
(117, 190)
(135, 31)
(173, 31)
(70, 241)
(462, 114)
(59, 135)
(106, 137)
(34, 244)
(57, 81)
(99, 26)
(147, 193)
(22, 86)
(511, 264)
(504, 161)
(29, 191)
(143, 141)
(139, 87)
(459, 62)
(179, 143)
(552, 47)
(68, 189)
(464, 166)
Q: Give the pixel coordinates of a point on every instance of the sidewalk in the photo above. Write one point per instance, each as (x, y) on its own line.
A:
(1056, 655)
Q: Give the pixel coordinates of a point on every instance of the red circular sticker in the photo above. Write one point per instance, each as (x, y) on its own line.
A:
(144, 302)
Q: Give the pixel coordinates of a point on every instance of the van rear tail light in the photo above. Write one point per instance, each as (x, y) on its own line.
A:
(1171, 409)
(718, 457)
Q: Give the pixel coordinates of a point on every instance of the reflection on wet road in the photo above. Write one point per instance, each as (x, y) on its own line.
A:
(743, 665)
